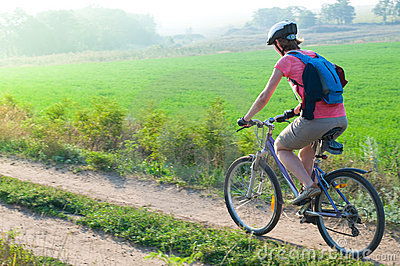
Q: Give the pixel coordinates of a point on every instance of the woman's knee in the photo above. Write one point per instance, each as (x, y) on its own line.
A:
(279, 146)
(306, 150)
(307, 154)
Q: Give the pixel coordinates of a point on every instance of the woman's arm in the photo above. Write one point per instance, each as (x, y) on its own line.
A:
(265, 95)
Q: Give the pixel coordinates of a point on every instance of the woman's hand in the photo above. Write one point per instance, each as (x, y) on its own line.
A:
(243, 123)
(297, 109)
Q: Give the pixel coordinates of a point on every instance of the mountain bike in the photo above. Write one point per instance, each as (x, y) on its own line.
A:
(348, 213)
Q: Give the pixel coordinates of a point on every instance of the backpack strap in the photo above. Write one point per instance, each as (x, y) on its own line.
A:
(296, 83)
(304, 58)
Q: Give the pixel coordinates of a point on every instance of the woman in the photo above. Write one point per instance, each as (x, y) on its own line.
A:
(300, 134)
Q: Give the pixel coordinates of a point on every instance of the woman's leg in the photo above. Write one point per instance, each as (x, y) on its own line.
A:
(306, 156)
(293, 164)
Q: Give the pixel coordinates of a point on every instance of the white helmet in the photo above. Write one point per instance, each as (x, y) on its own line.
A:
(284, 29)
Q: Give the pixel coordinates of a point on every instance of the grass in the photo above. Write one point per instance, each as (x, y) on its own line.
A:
(15, 254)
(184, 87)
(208, 245)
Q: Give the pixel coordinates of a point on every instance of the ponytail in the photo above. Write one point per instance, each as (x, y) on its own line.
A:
(288, 45)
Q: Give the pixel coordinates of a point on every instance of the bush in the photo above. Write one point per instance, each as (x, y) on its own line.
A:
(216, 136)
(13, 146)
(128, 159)
(247, 142)
(151, 126)
(391, 199)
(100, 128)
(12, 119)
(101, 161)
(180, 143)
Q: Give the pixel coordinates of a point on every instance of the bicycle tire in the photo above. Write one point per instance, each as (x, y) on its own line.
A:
(363, 223)
(238, 217)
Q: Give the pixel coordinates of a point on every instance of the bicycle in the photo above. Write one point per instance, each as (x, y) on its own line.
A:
(348, 213)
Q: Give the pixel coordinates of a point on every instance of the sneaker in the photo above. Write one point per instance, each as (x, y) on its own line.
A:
(306, 194)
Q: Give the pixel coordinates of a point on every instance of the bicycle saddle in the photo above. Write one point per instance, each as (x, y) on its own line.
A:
(329, 144)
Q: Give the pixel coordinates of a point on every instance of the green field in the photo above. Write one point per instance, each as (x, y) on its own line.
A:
(185, 86)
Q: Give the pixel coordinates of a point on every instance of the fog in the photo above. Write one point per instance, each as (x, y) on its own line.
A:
(176, 16)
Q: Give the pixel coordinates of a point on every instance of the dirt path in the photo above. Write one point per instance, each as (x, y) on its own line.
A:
(182, 203)
(69, 242)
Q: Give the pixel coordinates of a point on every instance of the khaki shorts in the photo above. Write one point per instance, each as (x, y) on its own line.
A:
(303, 132)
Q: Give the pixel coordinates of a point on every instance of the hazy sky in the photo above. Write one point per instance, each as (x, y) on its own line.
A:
(175, 15)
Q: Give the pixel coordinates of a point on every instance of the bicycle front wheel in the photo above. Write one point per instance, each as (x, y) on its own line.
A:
(257, 210)
(360, 228)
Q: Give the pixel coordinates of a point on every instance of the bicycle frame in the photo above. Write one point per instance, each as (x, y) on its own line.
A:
(319, 174)
(269, 148)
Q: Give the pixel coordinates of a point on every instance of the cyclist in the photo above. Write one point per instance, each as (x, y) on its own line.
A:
(300, 134)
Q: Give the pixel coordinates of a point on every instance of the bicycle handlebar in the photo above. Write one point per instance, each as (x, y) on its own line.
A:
(269, 122)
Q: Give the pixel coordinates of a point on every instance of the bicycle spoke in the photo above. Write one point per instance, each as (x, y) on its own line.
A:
(252, 210)
(242, 203)
(360, 227)
(330, 229)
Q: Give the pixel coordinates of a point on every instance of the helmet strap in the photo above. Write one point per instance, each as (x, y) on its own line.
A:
(279, 49)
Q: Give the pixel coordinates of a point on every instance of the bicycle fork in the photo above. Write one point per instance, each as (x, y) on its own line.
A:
(253, 168)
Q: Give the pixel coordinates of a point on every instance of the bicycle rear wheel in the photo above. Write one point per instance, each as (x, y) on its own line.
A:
(258, 213)
(360, 230)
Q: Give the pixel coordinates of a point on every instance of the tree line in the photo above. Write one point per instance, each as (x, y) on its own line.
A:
(340, 12)
(100, 29)
(388, 9)
(64, 31)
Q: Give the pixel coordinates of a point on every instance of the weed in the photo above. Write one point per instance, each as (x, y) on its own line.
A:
(15, 254)
(174, 260)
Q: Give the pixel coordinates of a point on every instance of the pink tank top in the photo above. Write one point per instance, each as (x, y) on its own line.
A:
(293, 68)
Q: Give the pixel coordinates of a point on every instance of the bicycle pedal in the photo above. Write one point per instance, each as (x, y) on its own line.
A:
(311, 213)
(303, 209)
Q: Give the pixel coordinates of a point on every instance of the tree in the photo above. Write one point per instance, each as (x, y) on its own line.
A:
(307, 19)
(304, 17)
(396, 9)
(340, 12)
(264, 18)
(22, 34)
(66, 31)
(384, 8)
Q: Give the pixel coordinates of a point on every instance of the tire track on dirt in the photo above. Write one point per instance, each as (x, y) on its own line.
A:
(182, 203)
(69, 242)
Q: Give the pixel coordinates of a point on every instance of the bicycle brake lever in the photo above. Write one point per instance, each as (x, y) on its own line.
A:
(240, 129)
